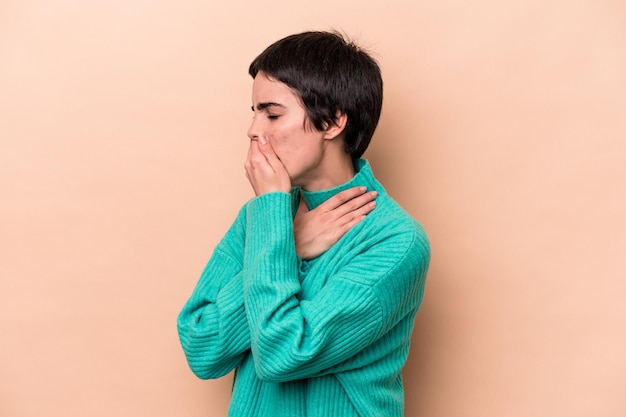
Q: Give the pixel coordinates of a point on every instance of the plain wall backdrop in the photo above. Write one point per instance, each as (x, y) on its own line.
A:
(122, 142)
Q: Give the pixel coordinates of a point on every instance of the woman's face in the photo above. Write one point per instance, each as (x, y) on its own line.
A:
(280, 118)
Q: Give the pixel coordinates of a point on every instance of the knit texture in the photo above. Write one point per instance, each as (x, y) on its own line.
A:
(325, 337)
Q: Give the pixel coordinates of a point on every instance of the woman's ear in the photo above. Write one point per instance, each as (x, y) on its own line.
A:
(335, 129)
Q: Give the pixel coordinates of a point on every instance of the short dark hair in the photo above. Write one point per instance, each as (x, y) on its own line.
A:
(330, 74)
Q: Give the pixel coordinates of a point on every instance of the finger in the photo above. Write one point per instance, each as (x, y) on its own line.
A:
(342, 197)
(352, 206)
(361, 212)
(270, 155)
(252, 149)
(246, 163)
(256, 158)
(343, 229)
(257, 166)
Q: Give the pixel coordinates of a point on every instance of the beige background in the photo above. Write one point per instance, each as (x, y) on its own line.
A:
(122, 140)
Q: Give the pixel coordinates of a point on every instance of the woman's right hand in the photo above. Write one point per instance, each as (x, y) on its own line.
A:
(315, 231)
(264, 169)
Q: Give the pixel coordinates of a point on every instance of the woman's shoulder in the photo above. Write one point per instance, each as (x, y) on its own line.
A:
(389, 220)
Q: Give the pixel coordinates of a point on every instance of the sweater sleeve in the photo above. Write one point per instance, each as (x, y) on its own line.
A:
(212, 325)
(293, 339)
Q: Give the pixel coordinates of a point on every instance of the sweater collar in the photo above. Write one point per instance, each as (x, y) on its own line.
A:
(363, 177)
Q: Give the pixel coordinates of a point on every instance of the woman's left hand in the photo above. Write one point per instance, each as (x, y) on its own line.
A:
(315, 231)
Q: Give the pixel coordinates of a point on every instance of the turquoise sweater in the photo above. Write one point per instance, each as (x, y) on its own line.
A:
(320, 338)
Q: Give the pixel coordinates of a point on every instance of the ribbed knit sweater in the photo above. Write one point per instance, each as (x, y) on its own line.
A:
(326, 337)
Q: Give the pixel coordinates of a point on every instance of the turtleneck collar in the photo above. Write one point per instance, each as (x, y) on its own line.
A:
(363, 177)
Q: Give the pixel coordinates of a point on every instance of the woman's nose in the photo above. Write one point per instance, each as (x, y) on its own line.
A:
(253, 130)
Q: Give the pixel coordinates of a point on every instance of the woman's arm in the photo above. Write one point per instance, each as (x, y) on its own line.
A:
(212, 325)
(293, 339)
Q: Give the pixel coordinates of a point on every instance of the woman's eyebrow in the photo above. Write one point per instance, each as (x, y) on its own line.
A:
(265, 105)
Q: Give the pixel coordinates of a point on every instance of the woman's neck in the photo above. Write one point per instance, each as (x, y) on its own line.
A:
(335, 169)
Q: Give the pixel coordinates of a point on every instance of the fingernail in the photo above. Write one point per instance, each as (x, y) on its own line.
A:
(375, 193)
(362, 189)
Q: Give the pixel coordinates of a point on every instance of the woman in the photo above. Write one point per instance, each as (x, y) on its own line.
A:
(312, 293)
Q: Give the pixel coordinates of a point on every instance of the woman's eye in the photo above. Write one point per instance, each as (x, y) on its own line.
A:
(272, 116)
